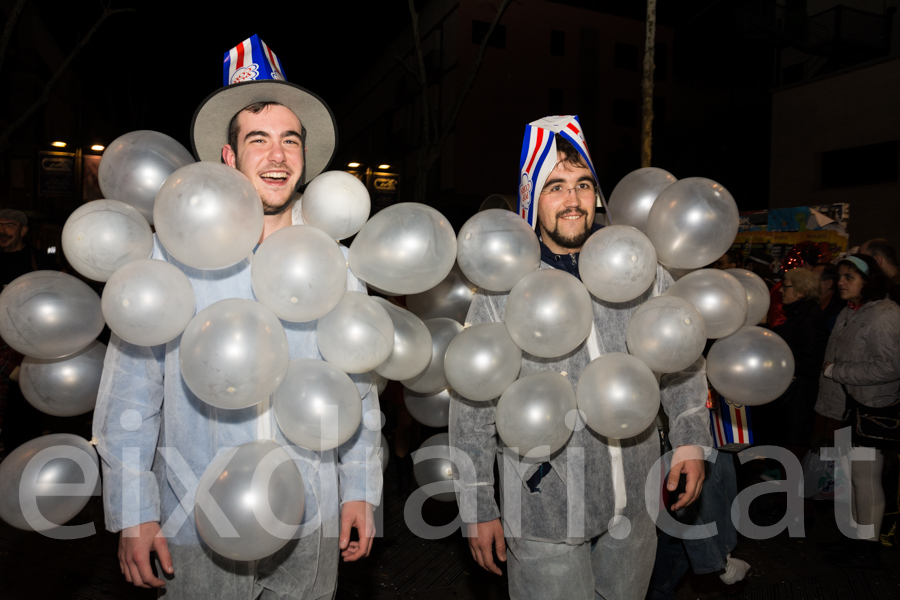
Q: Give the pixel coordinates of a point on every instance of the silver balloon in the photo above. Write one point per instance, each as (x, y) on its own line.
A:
(433, 378)
(752, 366)
(299, 273)
(439, 469)
(549, 313)
(406, 248)
(47, 481)
(618, 395)
(234, 353)
(357, 336)
(412, 344)
(450, 298)
(103, 235)
(692, 223)
(64, 387)
(718, 296)
(618, 263)
(148, 302)
(497, 248)
(380, 383)
(384, 453)
(757, 294)
(250, 501)
(633, 197)
(432, 410)
(47, 314)
(208, 215)
(531, 414)
(136, 164)
(667, 333)
(337, 203)
(482, 361)
(317, 405)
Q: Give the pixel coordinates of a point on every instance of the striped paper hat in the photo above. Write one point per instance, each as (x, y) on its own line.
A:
(539, 157)
(252, 73)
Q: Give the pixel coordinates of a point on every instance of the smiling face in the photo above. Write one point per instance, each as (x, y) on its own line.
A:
(270, 152)
(566, 207)
(11, 234)
(850, 284)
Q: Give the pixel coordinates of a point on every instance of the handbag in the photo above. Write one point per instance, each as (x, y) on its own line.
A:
(873, 427)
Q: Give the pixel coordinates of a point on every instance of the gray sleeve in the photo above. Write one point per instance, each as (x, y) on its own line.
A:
(881, 362)
(683, 395)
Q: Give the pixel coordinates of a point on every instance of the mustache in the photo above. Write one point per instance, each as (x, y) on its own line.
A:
(571, 211)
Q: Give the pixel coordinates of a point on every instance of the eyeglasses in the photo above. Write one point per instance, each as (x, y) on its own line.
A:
(787, 287)
(583, 190)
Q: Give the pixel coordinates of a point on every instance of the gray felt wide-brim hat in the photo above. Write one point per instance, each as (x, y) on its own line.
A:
(209, 129)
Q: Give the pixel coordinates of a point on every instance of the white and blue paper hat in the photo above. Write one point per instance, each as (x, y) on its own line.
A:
(253, 73)
(539, 157)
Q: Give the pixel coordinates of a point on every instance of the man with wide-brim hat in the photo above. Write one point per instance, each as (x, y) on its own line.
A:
(280, 136)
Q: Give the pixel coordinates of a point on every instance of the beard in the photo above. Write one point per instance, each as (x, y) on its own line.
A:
(271, 205)
(573, 241)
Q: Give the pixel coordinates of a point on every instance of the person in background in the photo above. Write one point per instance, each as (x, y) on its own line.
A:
(886, 256)
(829, 299)
(729, 260)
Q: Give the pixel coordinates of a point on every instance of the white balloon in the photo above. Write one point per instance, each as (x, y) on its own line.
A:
(437, 470)
(64, 387)
(337, 203)
(317, 405)
(357, 336)
(136, 164)
(618, 395)
(497, 248)
(299, 273)
(450, 298)
(634, 195)
(692, 223)
(758, 298)
(549, 313)
(618, 263)
(432, 410)
(433, 378)
(752, 366)
(234, 353)
(103, 235)
(412, 344)
(148, 302)
(718, 296)
(667, 333)
(406, 248)
(380, 383)
(208, 215)
(48, 314)
(531, 414)
(482, 361)
(384, 453)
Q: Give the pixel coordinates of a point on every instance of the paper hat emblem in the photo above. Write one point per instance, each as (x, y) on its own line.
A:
(539, 157)
(251, 60)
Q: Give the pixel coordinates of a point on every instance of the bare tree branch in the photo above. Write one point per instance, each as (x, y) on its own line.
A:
(54, 79)
(8, 29)
(647, 87)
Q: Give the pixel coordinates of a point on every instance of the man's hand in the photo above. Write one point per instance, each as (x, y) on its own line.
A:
(483, 539)
(135, 545)
(357, 515)
(687, 460)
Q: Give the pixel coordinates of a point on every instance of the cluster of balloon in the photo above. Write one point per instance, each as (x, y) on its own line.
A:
(357, 335)
(103, 235)
(667, 333)
(431, 409)
(482, 361)
(434, 378)
(135, 165)
(250, 501)
(633, 197)
(436, 473)
(719, 297)
(619, 395)
(148, 302)
(46, 481)
(337, 203)
(64, 387)
(208, 215)
(234, 353)
(317, 406)
(411, 353)
(449, 299)
(618, 263)
(549, 313)
(692, 223)
(757, 294)
(531, 414)
(497, 248)
(406, 248)
(299, 272)
(752, 366)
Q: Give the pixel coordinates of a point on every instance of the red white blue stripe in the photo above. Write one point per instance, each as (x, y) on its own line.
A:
(251, 60)
(731, 424)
